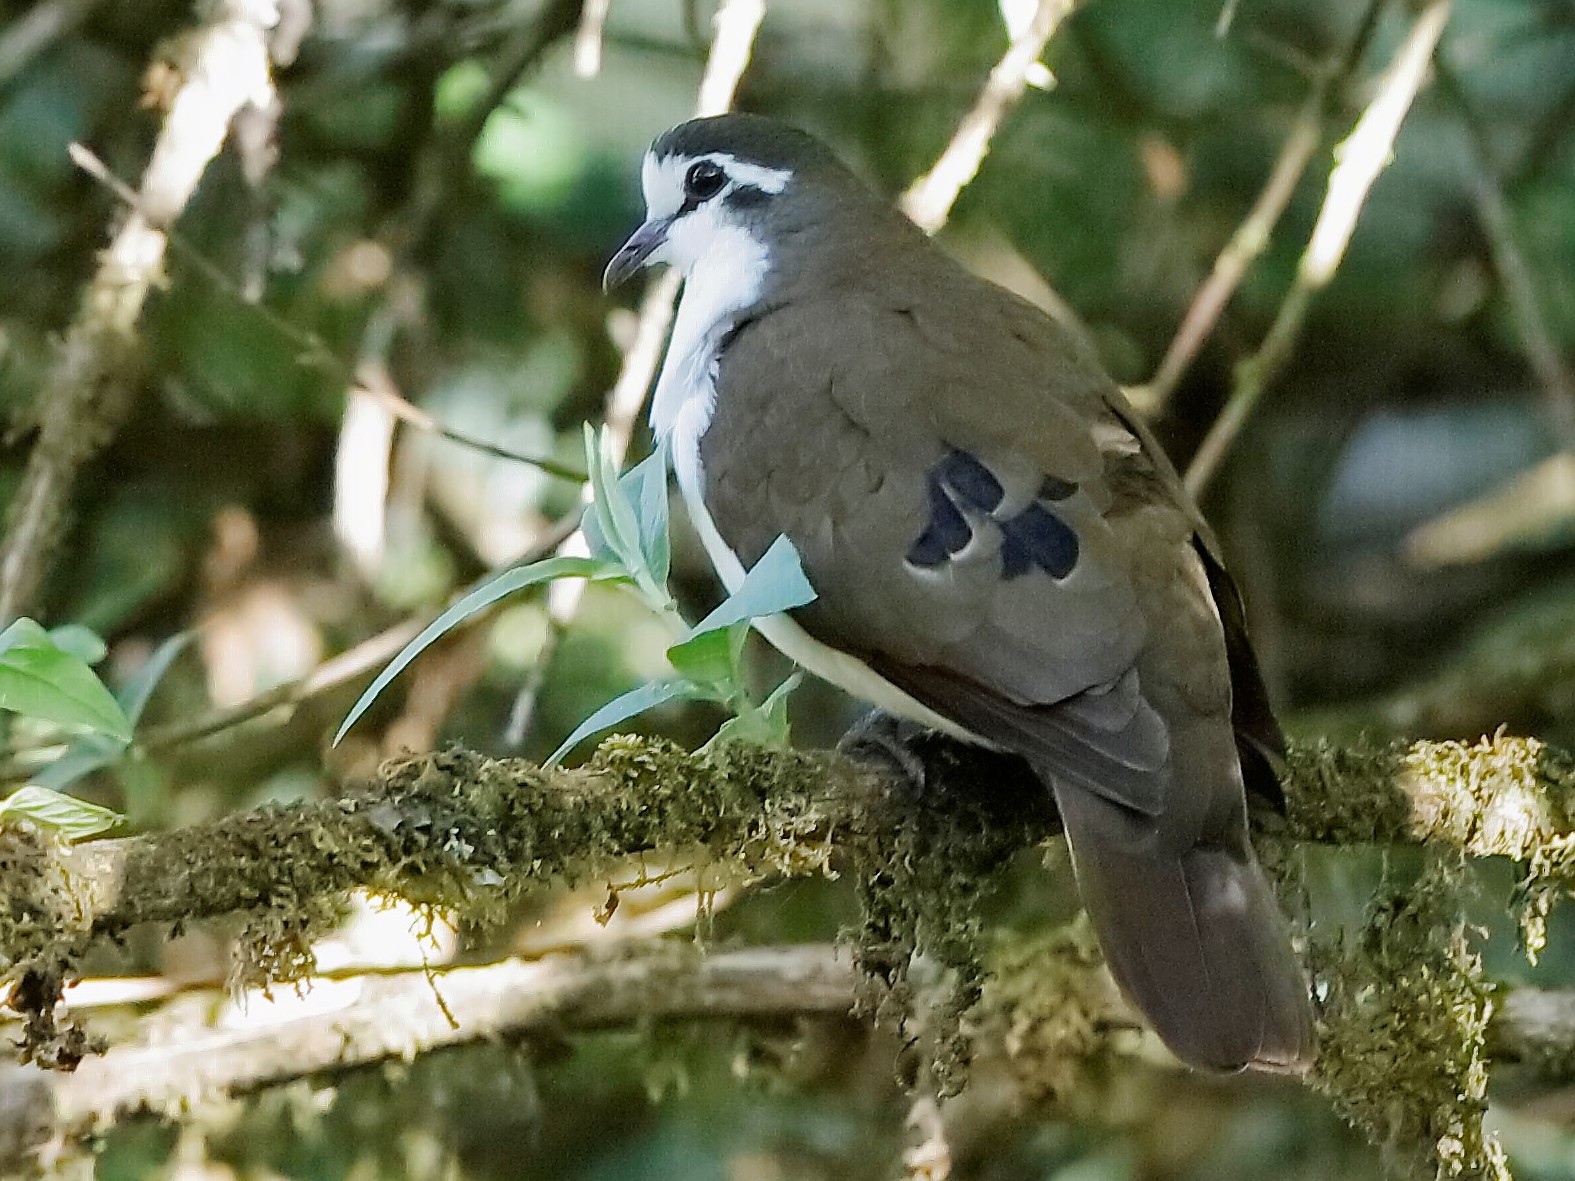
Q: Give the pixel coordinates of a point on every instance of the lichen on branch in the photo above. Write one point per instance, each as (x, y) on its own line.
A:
(460, 831)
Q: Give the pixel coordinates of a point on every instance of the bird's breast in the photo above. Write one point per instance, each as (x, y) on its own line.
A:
(781, 631)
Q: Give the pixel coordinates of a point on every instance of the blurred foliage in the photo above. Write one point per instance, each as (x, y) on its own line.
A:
(468, 271)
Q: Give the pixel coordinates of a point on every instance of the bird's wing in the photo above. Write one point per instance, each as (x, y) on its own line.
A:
(989, 529)
(981, 526)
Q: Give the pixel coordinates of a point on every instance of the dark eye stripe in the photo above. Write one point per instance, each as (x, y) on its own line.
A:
(743, 196)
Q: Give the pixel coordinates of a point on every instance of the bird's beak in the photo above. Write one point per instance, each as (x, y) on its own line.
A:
(634, 253)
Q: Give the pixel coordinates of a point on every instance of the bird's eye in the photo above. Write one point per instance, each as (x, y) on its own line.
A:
(704, 179)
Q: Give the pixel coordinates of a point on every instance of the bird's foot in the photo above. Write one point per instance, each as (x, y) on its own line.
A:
(888, 744)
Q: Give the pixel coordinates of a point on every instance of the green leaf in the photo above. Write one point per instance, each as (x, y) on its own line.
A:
(74, 819)
(765, 724)
(775, 707)
(648, 490)
(88, 753)
(85, 755)
(38, 679)
(626, 706)
(644, 488)
(138, 690)
(710, 657)
(23, 631)
(776, 583)
(470, 604)
(611, 506)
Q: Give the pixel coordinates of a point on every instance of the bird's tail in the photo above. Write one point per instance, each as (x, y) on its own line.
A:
(1194, 938)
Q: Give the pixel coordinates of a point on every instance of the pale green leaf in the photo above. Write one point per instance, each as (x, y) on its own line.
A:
(93, 752)
(72, 818)
(22, 631)
(775, 707)
(644, 487)
(648, 491)
(85, 755)
(139, 687)
(776, 583)
(470, 604)
(765, 724)
(82, 642)
(626, 706)
(611, 507)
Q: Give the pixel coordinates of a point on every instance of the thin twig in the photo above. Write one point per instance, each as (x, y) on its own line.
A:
(588, 40)
(1358, 161)
(372, 403)
(358, 664)
(1514, 269)
(929, 200)
(734, 29)
(313, 350)
(1252, 236)
(32, 34)
(88, 389)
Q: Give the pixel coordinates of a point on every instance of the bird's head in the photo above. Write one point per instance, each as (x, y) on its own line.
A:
(726, 188)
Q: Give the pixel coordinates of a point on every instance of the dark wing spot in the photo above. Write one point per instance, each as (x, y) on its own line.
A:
(972, 481)
(961, 488)
(1037, 537)
(946, 533)
(1015, 559)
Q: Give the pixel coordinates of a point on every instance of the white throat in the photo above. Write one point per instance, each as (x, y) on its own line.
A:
(724, 280)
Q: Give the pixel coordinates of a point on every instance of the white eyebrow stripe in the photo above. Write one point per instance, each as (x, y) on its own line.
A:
(663, 179)
(767, 180)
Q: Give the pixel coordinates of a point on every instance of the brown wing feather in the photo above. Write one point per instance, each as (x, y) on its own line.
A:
(1111, 675)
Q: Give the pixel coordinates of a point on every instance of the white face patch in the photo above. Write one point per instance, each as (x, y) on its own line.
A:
(663, 180)
(723, 264)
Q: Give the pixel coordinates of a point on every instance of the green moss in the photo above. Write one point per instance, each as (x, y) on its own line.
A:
(34, 960)
(924, 857)
(1404, 1024)
(1345, 794)
(1055, 1012)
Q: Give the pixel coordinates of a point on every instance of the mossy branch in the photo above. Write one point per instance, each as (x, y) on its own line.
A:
(459, 830)
(456, 828)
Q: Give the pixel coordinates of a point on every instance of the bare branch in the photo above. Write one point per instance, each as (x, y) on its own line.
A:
(1252, 236)
(1358, 161)
(929, 200)
(357, 1021)
(398, 1016)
